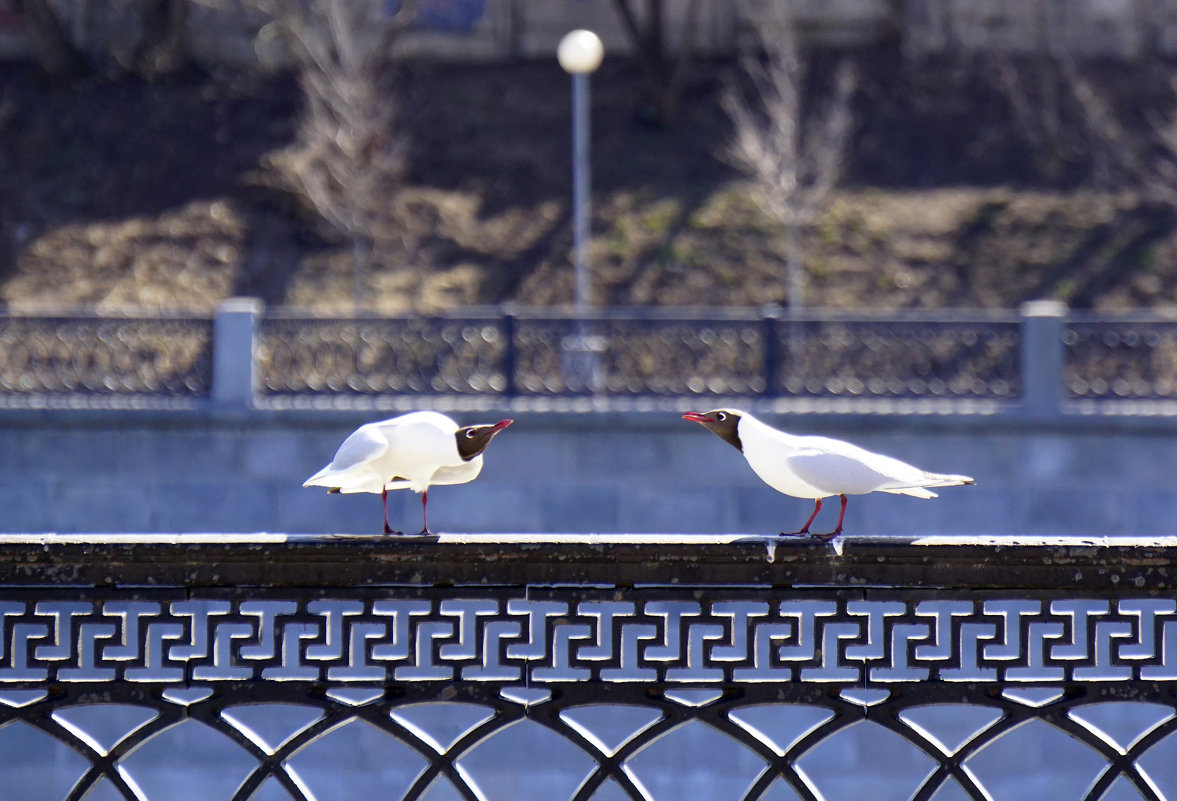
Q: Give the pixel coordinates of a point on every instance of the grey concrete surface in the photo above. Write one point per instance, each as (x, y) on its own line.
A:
(632, 472)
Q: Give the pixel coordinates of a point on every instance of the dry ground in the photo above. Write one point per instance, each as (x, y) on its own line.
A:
(122, 195)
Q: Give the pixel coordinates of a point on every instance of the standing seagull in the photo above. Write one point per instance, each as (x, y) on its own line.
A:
(414, 451)
(818, 467)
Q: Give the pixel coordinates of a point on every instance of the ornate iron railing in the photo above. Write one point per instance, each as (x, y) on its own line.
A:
(642, 668)
(1127, 357)
(104, 357)
(646, 353)
(406, 355)
(967, 357)
(1043, 363)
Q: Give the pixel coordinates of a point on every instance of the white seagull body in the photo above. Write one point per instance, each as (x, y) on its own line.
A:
(414, 451)
(819, 467)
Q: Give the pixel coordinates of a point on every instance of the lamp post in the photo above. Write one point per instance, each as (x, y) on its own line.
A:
(580, 53)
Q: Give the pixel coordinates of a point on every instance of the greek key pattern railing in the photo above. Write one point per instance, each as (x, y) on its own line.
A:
(534, 642)
(444, 687)
(268, 667)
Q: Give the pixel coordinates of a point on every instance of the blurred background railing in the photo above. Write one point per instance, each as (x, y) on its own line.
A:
(88, 355)
(1042, 359)
(1123, 357)
(677, 353)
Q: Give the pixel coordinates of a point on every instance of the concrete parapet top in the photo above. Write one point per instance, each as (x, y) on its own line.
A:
(1117, 565)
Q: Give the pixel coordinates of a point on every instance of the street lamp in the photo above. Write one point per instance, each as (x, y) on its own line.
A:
(580, 53)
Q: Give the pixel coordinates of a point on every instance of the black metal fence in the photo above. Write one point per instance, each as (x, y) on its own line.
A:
(92, 355)
(1002, 359)
(640, 668)
(1128, 357)
(650, 353)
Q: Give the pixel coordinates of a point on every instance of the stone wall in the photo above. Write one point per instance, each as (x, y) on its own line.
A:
(624, 471)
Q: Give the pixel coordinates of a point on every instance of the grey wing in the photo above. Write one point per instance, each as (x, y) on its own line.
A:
(363, 445)
(458, 474)
(350, 470)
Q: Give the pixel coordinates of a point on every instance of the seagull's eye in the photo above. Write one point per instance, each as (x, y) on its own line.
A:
(721, 416)
(469, 433)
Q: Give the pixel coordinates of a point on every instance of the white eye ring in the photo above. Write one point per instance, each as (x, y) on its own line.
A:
(721, 416)
(470, 434)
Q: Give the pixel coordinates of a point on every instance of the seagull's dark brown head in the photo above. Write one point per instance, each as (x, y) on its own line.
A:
(472, 440)
(723, 423)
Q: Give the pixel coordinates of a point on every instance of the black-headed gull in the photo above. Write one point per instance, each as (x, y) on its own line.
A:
(818, 467)
(414, 451)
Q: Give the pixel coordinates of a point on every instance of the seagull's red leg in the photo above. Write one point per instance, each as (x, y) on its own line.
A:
(805, 528)
(425, 512)
(838, 529)
(384, 504)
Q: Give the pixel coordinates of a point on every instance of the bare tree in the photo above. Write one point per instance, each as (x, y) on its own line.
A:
(1144, 160)
(54, 51)
(162, 48)
(1117, 154)
(794, 155)
(152, 40)
(1069, 122)
(350, 159)
(1162, 178)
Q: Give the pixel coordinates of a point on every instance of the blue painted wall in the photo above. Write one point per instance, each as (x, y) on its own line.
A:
(564, 472)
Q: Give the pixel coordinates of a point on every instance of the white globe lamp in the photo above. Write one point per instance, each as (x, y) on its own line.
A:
(580, 52)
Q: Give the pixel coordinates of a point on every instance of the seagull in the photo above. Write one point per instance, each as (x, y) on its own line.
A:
(818, 467)
(414, 451)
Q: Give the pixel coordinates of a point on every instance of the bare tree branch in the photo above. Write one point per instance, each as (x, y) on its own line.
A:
(793, 155)
(152, 39)
(663, 74)
(1071, 123)
(162, 46)
(1069, 118)
(350, 160)
(1116, 154)
(55, 53)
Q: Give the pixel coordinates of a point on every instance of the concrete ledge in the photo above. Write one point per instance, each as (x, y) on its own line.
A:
(1137, 566)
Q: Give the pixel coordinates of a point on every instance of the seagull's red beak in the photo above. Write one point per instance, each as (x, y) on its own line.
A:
(697, 417)
(500, 425)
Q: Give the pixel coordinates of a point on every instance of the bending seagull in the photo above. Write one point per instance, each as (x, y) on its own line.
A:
(818, 467)
(414, 451)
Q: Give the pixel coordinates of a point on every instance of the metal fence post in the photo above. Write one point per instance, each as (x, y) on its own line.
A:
(509, 354)
(770, 331)
(1042, 357)
(234, 347)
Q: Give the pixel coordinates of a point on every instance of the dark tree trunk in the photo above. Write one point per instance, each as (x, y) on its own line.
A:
(54, 51)
(663, 71)
(162, 47)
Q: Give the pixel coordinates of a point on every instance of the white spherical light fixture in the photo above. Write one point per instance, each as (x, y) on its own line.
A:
(580, 52)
